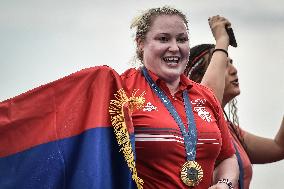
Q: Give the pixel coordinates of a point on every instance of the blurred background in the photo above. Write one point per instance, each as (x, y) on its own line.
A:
(41, 41)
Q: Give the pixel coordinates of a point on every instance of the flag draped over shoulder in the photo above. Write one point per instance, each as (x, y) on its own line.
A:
(60, 135)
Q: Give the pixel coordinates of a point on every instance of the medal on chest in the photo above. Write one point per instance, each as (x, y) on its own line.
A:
(191, 172)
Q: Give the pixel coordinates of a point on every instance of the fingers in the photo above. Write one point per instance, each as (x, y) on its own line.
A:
(218, 26)
(219, 20)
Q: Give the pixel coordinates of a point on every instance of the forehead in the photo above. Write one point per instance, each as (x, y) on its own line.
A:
(168, 23)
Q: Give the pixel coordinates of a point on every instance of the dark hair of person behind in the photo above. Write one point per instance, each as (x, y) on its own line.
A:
(196, 67)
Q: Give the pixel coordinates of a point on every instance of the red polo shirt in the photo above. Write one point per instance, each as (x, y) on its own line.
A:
(159, 144)
(247, 166)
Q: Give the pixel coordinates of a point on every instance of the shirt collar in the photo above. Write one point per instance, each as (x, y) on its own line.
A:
(185, 83)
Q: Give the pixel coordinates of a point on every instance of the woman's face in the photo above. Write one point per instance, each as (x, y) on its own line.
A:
(231, 89)
(231, 83)
(166, 47)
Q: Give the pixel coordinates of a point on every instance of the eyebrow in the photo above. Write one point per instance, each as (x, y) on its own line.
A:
(180, 34)
(176, 35)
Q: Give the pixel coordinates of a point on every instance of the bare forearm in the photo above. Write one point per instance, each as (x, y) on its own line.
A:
(265, 150)
(214, 77)
(227, 169)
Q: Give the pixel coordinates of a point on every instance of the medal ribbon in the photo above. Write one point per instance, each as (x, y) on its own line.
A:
(241, 176)
(240, 162)
(190, 137)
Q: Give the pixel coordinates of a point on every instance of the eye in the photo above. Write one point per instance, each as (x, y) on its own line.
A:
(182, 39)
(163, 39)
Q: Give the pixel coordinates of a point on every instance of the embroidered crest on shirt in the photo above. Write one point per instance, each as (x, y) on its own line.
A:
(149, 107)
(199, 107)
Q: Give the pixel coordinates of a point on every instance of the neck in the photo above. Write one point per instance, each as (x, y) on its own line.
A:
(173, 86)
(225, 102)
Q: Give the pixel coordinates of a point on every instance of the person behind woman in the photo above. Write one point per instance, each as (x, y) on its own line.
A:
(221, 76)
(180, 134)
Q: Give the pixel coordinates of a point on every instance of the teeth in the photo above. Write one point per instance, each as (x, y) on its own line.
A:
(171, 59)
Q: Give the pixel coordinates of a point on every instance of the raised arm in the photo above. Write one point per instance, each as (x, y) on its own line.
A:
(263, 150)
(214, 76)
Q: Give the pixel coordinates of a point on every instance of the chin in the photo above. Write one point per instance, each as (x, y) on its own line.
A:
(236, 93)
(231, 94)
(174, 71)
(172, 76)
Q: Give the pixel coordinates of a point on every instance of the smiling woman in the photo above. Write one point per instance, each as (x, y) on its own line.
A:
(42, 41)
(172, 152)
(166, 49)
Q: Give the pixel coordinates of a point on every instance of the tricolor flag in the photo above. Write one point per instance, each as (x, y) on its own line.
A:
(60, 136)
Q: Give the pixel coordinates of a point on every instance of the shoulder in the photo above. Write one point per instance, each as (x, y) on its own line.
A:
(132, 79)
(131, 72)
(199, 92)
(202, 87)
(132, 75)
(104, 69)
(101, 68)
(203, 90)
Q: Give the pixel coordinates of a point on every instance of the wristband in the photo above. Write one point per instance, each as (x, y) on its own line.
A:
(226, 181)
(222, 50)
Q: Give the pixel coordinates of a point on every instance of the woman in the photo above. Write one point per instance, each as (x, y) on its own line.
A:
(221, 76)
(176, 146)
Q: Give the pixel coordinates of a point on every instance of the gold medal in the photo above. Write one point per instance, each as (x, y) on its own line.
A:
(191, 173)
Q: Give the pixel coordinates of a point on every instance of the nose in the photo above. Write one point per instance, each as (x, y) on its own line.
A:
(174, 46)
(233, 69)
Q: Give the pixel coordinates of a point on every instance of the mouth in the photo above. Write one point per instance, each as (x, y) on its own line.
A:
(171, 59)
(235, 82)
